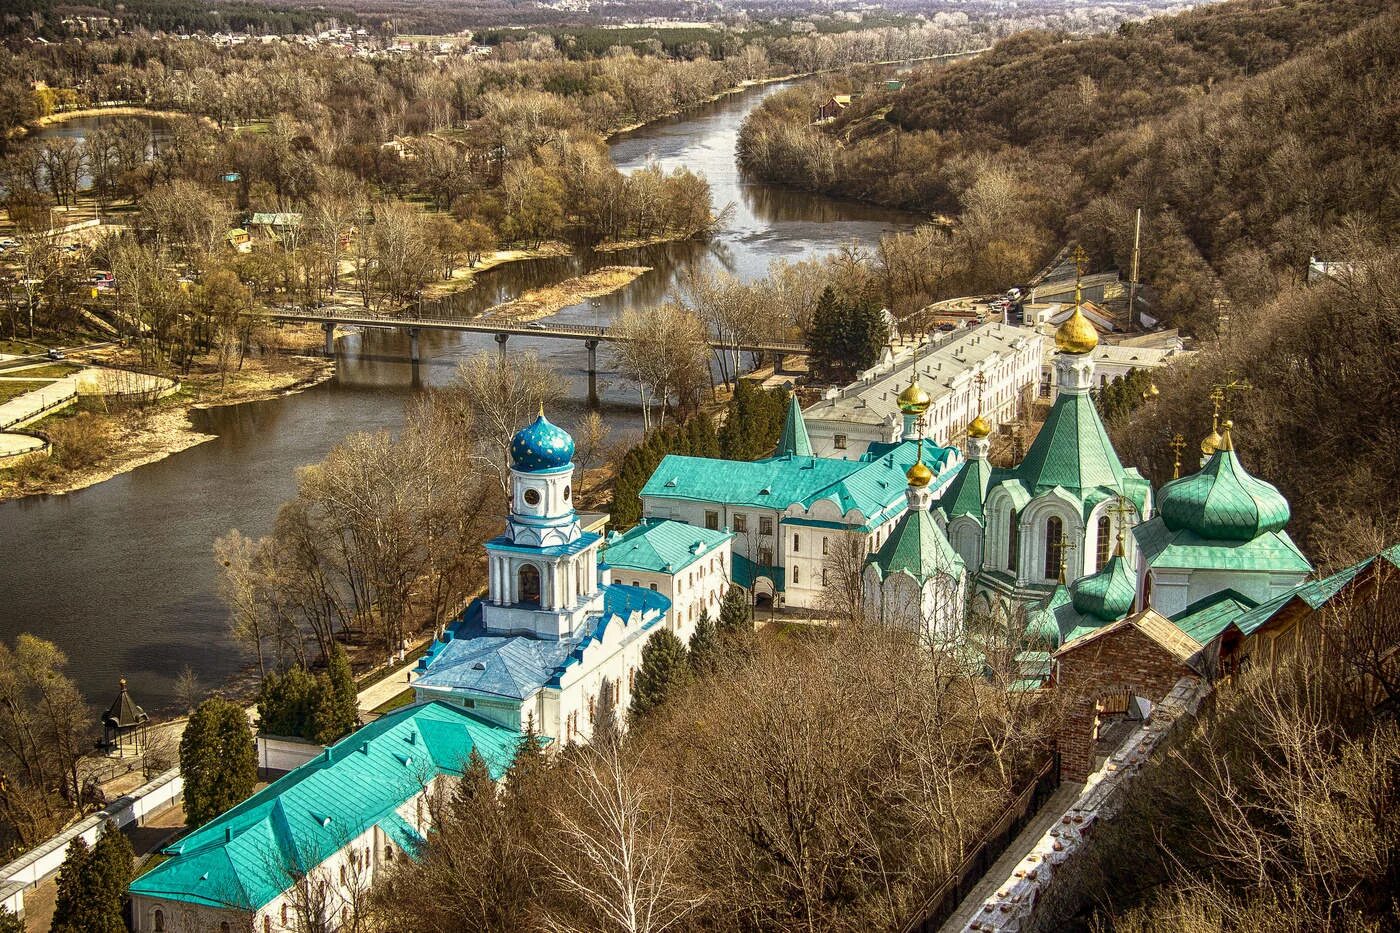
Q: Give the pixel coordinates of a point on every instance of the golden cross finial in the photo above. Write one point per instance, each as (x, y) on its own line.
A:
(1177, 444)
(1223, 390)
(1081, 262)
(1217, 398)
(1065, 544)
(981, 381)
(1122, 511)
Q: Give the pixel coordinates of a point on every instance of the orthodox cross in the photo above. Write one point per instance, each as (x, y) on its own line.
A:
(1121, 511)
(1177, 444)
(1223, 389)
(1081, 262)
(1064, 546)
(981, 381)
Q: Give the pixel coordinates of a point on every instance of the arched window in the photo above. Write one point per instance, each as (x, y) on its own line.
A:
(158, 920)
(1101, 548)
(1013, 541)
(388, 852)
(1054, 532)
(529, 591)
(224, 927)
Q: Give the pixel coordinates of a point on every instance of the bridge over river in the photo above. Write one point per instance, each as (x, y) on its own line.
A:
(503, 329)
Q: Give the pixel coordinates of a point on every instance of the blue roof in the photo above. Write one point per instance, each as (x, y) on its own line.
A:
(469, 658)
(541, 447)
(241, 859)
(661, 546)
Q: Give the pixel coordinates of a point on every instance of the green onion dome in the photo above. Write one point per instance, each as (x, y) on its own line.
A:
(1222, 502)
(1107, 595)
(1042, 631)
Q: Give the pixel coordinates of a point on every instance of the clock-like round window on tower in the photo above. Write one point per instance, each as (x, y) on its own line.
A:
(566, 493)
(532, 497)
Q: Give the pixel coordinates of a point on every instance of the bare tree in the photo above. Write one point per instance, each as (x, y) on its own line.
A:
(495, 396)
(663, 350)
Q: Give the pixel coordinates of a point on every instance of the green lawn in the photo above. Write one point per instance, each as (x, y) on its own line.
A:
(9, 390)
(398, 702)
(50, 371)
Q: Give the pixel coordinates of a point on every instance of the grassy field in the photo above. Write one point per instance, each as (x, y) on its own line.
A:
(398, 702)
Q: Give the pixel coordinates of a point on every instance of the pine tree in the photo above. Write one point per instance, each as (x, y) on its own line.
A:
(528, 766)
(825, 339)
(9, 923)
(704, 646)
(735, 613)
(865, 333)
(74, 911)
(345, 697)
(475, 789)
(217, 759)
(664, 670)
(607, 731)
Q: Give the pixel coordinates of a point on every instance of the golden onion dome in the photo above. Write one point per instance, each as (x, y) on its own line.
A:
(1211, 443)
(914, 400)
(978, 427)
(1076, 334)
(919, 475)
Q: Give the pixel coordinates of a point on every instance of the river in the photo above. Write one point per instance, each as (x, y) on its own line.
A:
(121, 575)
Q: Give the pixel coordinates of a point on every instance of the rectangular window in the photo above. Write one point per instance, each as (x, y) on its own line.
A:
(765, 556)
(826, 546)
(839, 442)
(796, 543)
(765, 525)
(795, 575)
(741, 522)
(653, 587)
(824, 583)
(712, 520)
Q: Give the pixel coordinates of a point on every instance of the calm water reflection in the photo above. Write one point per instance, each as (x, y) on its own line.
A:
(121, 575)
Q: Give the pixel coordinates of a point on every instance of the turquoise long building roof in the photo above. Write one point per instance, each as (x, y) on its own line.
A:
(241, 859)
(661, 546)
(871, 484)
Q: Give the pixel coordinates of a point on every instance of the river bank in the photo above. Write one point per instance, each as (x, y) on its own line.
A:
(64, 116)
(538, 303)
(141, 436)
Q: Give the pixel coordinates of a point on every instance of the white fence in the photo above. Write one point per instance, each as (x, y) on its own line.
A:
(280, 754)
(44, 860)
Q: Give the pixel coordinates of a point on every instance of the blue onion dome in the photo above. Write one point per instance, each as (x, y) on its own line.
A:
(1107, 595)
(1222, 502)
(541, 447)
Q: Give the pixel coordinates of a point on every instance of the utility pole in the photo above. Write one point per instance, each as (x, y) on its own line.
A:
(1133, 281)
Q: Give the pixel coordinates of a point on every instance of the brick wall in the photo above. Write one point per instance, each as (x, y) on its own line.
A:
(1121, 661)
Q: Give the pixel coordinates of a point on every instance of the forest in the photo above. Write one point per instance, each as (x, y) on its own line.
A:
(1246, 133)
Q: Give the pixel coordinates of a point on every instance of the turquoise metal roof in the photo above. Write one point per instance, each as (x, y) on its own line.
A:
(1223, 502)
(1185, 550)
(1107, 595)
(1042, 624)
(777, 483)
(661, 546)
(1072, 450)
(241, 859)
(745, 571)
(794, 441)
(1313, 593)
(917, 547)
(967, 490)
(1206, 618)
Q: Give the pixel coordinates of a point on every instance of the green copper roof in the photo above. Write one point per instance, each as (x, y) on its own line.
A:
(918, 547)
(794, 441)
(1222, 502)
(1313, 593)
(1042, 625)
(1072, 450)
(1107, 595)
(967, 490)
(777, 483)
(661, 546)
(241, 859)
(1206, 618)
(1165, 549)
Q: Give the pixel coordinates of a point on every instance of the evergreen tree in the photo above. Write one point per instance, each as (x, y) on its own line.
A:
(92, 885)
(865, 333)
(528, 767)
(217, 759)
(704, 650)
(664, 670)
(475, 789)
(338, 706)
(824, 342)
(9, 923)
(735, 612)
(288, 702)
(74, 911)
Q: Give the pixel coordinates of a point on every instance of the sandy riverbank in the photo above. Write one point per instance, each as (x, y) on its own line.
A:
(542, 302)
(465, 277)
(144, 436)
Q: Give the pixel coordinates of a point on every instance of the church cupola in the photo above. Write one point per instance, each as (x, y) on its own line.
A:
(1223, 502)
(541, 473)
(913, 402)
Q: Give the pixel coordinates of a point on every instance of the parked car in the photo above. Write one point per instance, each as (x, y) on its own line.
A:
(55, 353)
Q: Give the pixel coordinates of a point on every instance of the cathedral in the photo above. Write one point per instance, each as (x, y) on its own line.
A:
(1070, 541)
